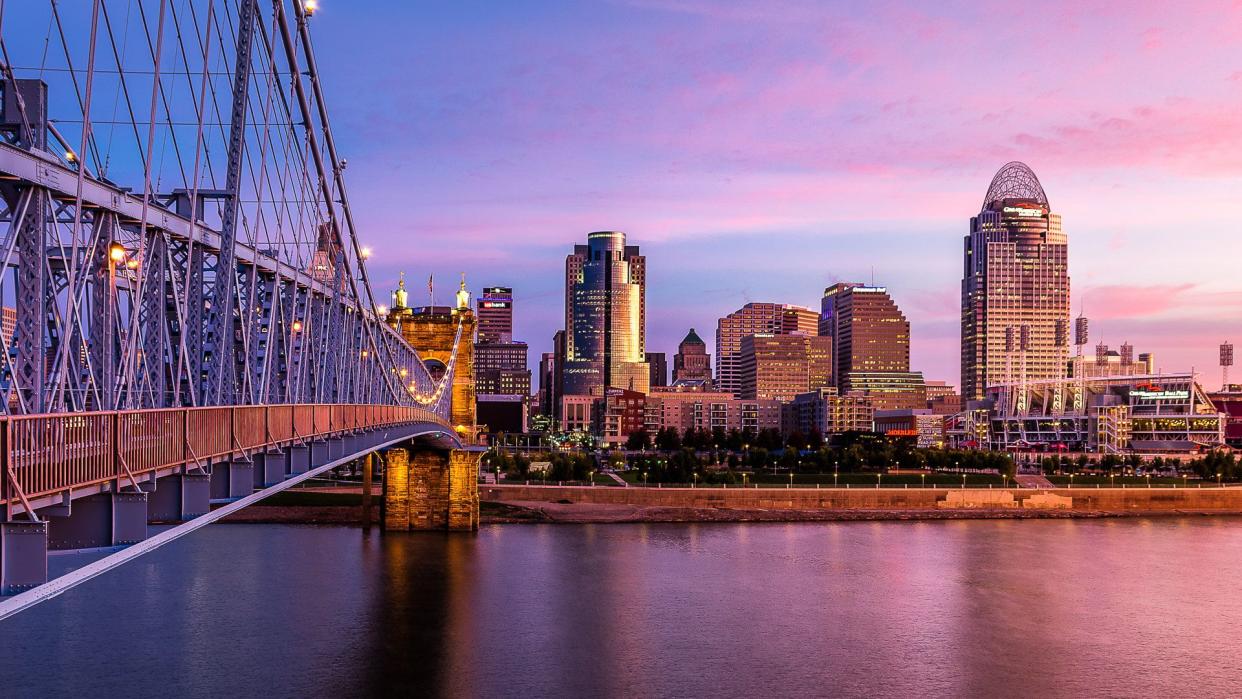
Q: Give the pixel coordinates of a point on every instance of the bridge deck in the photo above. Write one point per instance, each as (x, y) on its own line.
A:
(52, 459)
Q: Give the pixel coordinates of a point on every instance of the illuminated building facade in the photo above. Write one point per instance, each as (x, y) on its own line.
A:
(605, 317)
(707, 410)
(779, 367)
(494, 311)
(1015, 287)
(1166, 413)
(751, 319)
(871, 340)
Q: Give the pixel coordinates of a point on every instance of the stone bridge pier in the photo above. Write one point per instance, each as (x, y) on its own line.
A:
(431, 490)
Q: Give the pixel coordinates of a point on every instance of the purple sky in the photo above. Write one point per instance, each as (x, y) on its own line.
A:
(761, 151)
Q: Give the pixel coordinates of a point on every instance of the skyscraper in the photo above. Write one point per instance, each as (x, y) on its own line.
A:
(753, 318)
(692, 363)
(605, 314)
(1015, 287)
(495, 313)
(500, 363)
(871, 339)
(773, 367)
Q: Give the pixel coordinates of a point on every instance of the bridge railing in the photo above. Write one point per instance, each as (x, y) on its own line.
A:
(48, 454)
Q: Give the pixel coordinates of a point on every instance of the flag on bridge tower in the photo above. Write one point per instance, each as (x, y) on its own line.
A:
(431, 290)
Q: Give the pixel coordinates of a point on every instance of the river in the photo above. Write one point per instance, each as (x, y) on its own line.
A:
(1042, 608)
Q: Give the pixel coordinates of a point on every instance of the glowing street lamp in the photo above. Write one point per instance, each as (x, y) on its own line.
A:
(310, 6)
(366, 253)
(116, 253)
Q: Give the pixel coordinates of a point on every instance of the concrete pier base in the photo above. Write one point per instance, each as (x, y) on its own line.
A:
(23, 556)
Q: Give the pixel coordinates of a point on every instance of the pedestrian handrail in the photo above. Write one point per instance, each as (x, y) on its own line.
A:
(52, 453)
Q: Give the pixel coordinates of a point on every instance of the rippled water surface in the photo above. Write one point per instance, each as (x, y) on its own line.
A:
(980, 608)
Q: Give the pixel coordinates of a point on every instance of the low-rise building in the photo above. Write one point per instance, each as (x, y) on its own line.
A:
(620, 413)
(1151, 414)
(693, 407)
(826, 412)
(499, 413)
(923, 425)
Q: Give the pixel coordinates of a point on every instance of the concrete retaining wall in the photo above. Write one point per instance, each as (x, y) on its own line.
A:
(1086, 499)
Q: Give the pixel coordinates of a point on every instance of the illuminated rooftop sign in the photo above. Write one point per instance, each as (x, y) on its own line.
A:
(1150, 392)
(1023, 211)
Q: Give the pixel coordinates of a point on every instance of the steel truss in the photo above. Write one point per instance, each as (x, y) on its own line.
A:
(228, 271)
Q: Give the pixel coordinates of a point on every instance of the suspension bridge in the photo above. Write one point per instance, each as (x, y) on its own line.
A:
(187, 315)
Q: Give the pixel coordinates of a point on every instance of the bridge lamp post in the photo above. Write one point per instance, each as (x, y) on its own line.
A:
(309, 7)
(366, 253)
(591, 476)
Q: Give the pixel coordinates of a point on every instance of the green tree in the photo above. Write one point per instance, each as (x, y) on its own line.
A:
(638, 441)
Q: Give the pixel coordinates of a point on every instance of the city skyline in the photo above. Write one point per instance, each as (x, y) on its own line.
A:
(707, 199)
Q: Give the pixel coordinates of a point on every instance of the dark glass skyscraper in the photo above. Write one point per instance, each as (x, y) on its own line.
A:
(605, 317)
(1015, 287)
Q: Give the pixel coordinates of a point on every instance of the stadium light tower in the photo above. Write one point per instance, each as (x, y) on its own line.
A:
(1226, 361)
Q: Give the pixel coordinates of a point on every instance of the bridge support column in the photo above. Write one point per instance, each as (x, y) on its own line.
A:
(299, 459)
(23, 556)
(106, 519)
(269, 468)
(320, 453)
(397, 490)
(180, 497)
(232, 479)
(431, 490)
(463, 490)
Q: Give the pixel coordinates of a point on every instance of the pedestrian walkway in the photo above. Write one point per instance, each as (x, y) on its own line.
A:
(1033, 481)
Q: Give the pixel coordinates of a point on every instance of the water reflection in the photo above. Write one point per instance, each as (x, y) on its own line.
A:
(1032, 608)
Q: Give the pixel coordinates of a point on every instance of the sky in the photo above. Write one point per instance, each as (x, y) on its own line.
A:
(762, 151)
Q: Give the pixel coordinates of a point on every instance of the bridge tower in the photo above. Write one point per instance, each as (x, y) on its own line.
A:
(427, 488)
